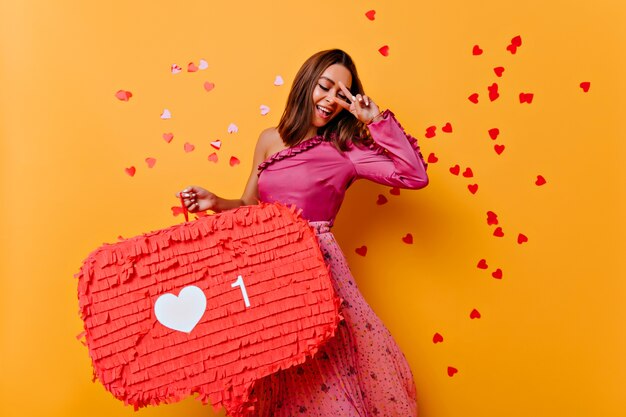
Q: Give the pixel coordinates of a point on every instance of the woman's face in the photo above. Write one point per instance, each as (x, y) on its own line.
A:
(327, 87)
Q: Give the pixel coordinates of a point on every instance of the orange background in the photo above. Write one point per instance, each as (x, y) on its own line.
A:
(550, 341)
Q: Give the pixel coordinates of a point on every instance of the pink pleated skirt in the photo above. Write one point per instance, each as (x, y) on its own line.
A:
(360, 372)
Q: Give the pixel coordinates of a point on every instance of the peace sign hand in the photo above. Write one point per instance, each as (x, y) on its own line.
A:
(361, 106)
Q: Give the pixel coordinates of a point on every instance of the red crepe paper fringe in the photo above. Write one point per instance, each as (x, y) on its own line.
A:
(293, 307)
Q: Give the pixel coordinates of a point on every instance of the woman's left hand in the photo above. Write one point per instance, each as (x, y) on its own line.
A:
(361, 106)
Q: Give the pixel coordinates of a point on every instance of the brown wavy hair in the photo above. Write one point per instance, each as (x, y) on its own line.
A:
(296, 119)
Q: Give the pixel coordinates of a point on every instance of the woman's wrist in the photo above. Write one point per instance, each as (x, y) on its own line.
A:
(379, 116)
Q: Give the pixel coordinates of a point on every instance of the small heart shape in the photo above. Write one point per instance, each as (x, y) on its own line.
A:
(217, 144)
(526, 97)
(455, 169)
(497, 274)
(468, 173)
(370, 14)
(492, 218)
(234, 161)
(540, 180)
(362, 250)
(191, 67)
(183, 312)
(381, 199)
(521, 238)
(168, 137)
(202, 65)
(498, 71)
(452, 371)
(384, 50)
(394, 191)
(447, 128)
(150, 162)
(213, 157)
(437, 338)
(482, 264)
(166, 114)
(498, 232)
(123, 95)
(472, 188)
(512, 49)
(177, 210)
(130, 171)
(476, 50)
(432, 158)
(493, 133)
(473, 98)
(408, 239)
(264, 109)
(176, 69)
(430, 131)
(189, 147)
(278, 81)
(475, 314)
(499, 149)
(516, 41)
(585, 86)
(232, 128)
(493, 91)
(208, 86)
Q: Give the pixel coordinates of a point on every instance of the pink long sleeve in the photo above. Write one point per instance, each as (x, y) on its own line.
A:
(394, 159)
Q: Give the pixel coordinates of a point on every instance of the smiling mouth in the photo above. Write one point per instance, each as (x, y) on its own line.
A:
(323, 112)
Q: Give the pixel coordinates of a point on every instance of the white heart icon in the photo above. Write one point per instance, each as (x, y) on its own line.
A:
(181, 313)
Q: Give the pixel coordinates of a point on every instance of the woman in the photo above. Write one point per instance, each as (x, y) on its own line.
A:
(330, 135)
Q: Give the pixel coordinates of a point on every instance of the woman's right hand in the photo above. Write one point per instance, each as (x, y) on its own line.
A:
(198, 199)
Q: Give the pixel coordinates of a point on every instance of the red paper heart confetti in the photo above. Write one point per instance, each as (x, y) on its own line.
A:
(394, 191)
(585, 86)
(515, 43)
(521, 238)
(493, 91)
(492, 218)
(250, 292)
(540, 180)
(177, 210)
(381, 200)
(370, 14)
(408, 239)
(213, 157)
(482, 264)
(472, 188)
(498, 71)
(217, 144)
(437, 338)
(498, 148)
(455, 169)
(430, 131)
(497, 274)
(384, 50)
(476, 50)
(189, 147)
(123, 95)
(432, 158)
(493, 133)
(526, 97)
(150, 162)
(234, 161)
(191, 67)
(498, 232)
(208, 86)
(447, 128)
(468, 173)
(473, 98)
(475, 314)
(168, 137)
(362, 250)
(130, 171)
(452, 371)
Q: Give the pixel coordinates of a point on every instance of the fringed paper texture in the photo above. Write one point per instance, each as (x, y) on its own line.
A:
(293, 307)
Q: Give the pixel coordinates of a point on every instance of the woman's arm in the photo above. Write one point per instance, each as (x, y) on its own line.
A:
(199, 199)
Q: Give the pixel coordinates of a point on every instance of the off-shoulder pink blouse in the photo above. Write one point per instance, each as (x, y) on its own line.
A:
(314, 175)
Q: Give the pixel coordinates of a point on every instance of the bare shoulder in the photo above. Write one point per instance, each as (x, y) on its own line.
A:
(270, 142)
